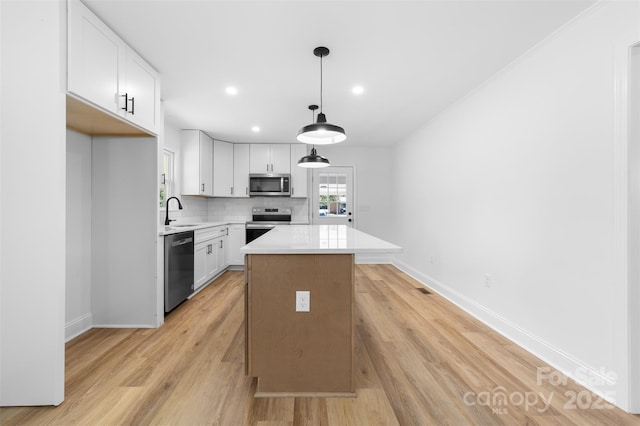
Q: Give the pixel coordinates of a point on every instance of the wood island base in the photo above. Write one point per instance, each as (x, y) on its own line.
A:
(300, 353)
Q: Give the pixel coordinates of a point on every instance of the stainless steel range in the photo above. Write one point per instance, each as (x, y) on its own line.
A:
(264, 219)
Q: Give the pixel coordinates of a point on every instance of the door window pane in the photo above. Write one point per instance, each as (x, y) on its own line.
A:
(333, 194)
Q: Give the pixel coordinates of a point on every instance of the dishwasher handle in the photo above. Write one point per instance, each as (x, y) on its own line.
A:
(181, 242)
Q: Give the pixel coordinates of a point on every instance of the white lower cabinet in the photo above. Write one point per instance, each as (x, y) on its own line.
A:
(200, 261)
(222, 253)
(236, 239)
(209, 254)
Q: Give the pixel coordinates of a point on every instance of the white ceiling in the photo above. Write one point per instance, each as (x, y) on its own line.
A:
(414, 58)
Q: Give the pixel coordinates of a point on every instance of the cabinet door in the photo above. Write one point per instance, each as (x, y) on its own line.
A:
(299, 175)
(143, 93)
(241, 170)
(235, 240)
(212, 258)
(206, 165)
(96, 58)
(281, 158)
(200, 272)
(259, 158)
(222, 254)
(222, 169)
(190, 149)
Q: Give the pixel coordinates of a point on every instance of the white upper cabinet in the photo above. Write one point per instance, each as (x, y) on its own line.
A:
(197, 163)
(241, 170)
(260, 158)
(142, 92)
(281, 158)
(299, 175)
(95, 58)
(222, 169)
(270, 158)
(107, 73)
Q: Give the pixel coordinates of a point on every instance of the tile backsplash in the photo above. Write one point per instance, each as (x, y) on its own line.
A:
(239, 209)
(194, 210)
(197, 209)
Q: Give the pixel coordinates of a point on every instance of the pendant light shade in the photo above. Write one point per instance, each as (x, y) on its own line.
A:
(321, 132)
(313, 160)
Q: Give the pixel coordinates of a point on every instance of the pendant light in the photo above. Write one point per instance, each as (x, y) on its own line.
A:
(313, 160)
(321, 132)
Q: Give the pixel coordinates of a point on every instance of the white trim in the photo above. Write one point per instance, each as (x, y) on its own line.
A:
(621, 198)
(548, 353)
(123, 326)
(627, 135)
(78, 326)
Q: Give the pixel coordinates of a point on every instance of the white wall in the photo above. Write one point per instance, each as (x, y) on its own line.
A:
(32, 202)
(123, 234)
(78, 236)
(518, 181)
(374, 211)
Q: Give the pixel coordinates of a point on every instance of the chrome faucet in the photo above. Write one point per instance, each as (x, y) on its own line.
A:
(166, 220)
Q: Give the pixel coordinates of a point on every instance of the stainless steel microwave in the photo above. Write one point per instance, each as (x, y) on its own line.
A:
(270, 184)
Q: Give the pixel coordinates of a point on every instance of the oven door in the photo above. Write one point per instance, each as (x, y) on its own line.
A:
(254, 231)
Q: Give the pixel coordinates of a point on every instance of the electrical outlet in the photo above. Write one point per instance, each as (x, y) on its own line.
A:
(303, 301)
(487, 280)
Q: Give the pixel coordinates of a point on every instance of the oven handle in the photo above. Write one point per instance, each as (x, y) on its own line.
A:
(255, 226)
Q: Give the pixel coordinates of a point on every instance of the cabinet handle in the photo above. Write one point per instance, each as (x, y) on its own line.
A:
(293, 191)
(126, 102)
(220, 243)
(163, 182)
(203, 187)
(232, 190)
(246, 190)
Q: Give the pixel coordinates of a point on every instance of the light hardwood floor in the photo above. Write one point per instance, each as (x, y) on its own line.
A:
(420, 361)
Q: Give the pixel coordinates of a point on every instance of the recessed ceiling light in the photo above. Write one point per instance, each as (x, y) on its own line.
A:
(231, 91)
(357, 90)
(255, 129)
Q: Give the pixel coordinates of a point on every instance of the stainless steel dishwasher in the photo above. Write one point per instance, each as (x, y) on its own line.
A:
(178, 269)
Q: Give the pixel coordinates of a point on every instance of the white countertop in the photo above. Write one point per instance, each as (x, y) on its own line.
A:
(176, 228)
(324, 239)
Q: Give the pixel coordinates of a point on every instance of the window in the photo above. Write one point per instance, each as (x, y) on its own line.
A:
(167, 179)
(333, 194)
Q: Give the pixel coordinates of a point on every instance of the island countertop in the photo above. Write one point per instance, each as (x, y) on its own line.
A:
(318, 239)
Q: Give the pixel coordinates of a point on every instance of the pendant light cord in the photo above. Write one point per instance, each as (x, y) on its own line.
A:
(321, 84)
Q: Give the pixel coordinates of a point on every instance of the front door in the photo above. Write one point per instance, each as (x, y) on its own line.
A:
(333, 196)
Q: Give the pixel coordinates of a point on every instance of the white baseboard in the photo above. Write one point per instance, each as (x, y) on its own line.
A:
(76, 327)
(123, 326)
(555, 357)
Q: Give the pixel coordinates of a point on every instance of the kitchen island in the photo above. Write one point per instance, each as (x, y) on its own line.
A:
(299, 343)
